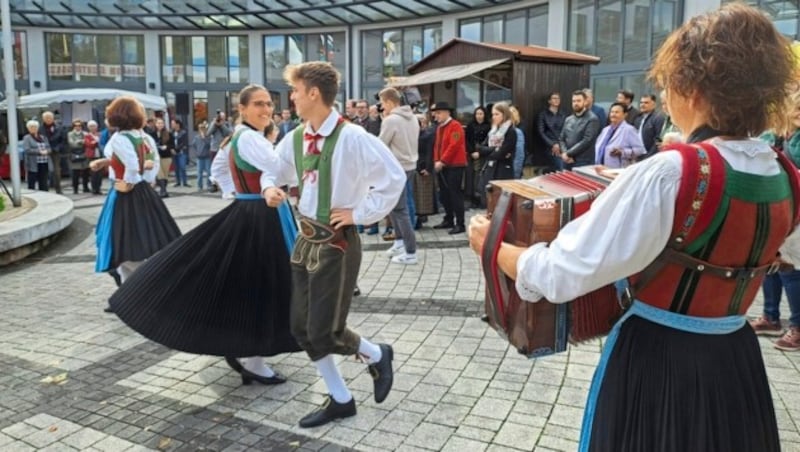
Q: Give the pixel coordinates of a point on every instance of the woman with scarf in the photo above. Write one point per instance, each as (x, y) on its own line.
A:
(619, 144)
(475, 135)
(224, 287)
(498, 149)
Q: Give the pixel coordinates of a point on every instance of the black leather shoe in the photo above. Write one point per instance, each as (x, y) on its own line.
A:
(356, 292)
(457, 230)
(329, 411)
(382, 373)
(249, 377)
(443, 225)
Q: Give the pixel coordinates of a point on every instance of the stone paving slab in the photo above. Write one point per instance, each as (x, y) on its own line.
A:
(74, 378)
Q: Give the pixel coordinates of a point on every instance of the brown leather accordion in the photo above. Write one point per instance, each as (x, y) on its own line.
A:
(524, 212)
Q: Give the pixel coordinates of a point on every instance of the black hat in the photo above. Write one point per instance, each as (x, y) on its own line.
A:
(441, 106)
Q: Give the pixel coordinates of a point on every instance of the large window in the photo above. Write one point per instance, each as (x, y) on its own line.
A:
(523, 27)
(204, 59)
(784, 13)
(624, 34)
(389, 53)
(91, 57)
(280, 50)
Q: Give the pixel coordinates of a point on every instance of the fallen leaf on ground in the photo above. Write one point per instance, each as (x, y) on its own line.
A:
(52, 429)
(294, 443)
(163, 443)
(55, 379)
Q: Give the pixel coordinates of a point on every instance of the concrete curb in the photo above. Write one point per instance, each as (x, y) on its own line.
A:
(30, 232)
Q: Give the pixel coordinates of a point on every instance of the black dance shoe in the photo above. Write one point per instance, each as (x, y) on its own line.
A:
(382, 373)
(443, 225)
(329, 411)
(249, 377)
(457, 230)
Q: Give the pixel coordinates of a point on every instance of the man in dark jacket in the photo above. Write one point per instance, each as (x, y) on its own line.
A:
(576, 143)
(649, 124)
(625, 97)
(549, 125)
(57, 137)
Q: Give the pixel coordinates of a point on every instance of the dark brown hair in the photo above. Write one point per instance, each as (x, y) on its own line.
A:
(736, 61)
(315, 74)
(247, 92)
(270, 128)
(125, 113)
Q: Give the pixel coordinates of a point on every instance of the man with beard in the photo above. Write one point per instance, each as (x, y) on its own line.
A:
(576, 143)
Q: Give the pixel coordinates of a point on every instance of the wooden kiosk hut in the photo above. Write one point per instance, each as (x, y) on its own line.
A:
(468, 74)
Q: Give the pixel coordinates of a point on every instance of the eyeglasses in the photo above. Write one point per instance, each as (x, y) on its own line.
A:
(262, 104)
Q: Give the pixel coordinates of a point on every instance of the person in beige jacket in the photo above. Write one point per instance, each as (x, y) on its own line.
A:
(400, 133)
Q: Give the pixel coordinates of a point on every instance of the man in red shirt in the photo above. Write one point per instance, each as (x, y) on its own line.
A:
(450, 159)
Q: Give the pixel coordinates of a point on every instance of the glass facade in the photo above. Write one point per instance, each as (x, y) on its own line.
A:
(205, 59)
(19, 48)
(784, 13)
(389, 53)
(282, 50)
(523, 27)
(624, 34)
(81, 57)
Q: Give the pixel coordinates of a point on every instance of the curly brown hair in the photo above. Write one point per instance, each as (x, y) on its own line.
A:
(737, 62)
(125, 113)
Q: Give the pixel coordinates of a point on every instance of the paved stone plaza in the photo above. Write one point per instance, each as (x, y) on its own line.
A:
(75, 378)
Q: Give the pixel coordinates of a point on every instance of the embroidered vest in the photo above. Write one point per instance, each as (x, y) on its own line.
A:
(726, 233)
(143, 152)
(323, 168)
(246, 177)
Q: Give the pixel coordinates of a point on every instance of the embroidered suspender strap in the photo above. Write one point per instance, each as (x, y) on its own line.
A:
(238, 162)
(297, 140)
(324, 169)
(699, 195)
(140, 146)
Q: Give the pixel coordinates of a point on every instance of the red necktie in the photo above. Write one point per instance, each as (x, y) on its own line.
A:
(312, 145)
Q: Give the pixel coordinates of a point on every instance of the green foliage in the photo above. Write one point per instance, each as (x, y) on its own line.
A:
(2, 203)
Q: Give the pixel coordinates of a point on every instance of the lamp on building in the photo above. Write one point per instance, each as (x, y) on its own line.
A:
(37, 84)
(151, 85)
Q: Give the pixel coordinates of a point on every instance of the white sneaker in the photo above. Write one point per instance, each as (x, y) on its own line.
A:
(396, 250)
(405, 259)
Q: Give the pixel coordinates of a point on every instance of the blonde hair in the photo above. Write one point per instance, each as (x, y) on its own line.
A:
(503, 108)
(515, 119)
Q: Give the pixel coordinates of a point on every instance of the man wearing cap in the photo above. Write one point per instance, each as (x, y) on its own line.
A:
(450, 159)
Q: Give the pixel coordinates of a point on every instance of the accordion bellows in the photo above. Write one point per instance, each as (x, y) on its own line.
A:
(524, 212)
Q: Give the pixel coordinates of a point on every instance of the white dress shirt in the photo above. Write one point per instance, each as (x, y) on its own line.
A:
(221, 170)
(122, 147)
(626, 228)
(365, 176)
(253, 148)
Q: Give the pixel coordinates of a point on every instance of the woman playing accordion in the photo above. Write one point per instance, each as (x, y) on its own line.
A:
(694, 230)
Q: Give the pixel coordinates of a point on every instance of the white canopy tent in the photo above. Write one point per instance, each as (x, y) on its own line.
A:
(78, 95)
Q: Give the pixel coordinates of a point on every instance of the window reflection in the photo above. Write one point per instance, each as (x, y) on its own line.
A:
(19, 48)
(522, 26)
(199, 59)
(91, 57)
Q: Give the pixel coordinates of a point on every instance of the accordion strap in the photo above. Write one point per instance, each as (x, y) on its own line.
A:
(496, 280)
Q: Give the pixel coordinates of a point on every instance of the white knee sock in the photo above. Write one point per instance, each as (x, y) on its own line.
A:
(127, 268)
(398, 243)
(256, 365)
(333, 379)
(369, 351)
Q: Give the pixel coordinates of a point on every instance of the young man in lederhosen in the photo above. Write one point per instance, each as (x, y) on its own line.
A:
(346, 176)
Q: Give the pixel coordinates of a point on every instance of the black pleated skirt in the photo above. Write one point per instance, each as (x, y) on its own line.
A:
(221, 289)
(138, 226)
(666, 390)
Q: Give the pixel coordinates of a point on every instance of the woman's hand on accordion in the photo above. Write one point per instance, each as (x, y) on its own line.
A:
(478, 228)
(507, 256)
